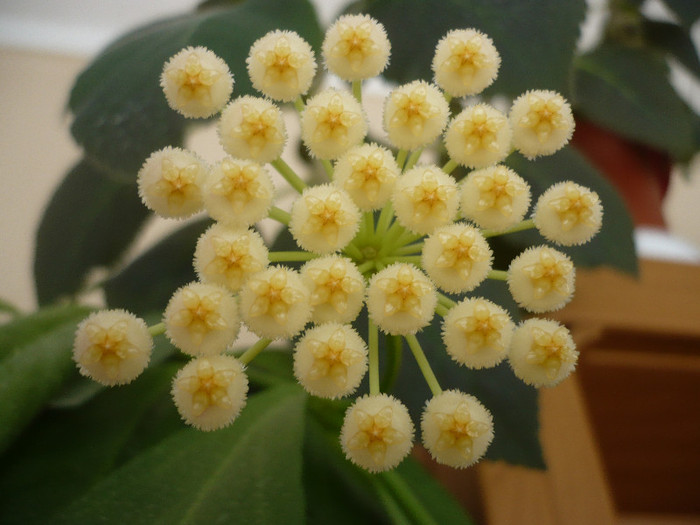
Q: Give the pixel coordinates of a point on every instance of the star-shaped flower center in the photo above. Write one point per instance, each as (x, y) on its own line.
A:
(233, 259)
(178, 184)
(413, 109)
(368, 174)
(109, 346)
(403, 292)
(497, 190)
(333, 357)
(460, 251)
(575, 207)
(466, 57)
(281, 63)
(333, 285)
(479, 130)
(544, 116)
(258, 128)
(375, 433)
(482, 327)
(458, 430)
(194, 79)
(333, 120)
(326, 216)
(550, 350)
(200, 314)
(274, 296)
(549, 274)
(355, 43)
(208, 387)
(240, 184)
(429, 197)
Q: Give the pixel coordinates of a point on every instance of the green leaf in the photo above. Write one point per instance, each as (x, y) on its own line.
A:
(147, 284)
(64, 452)
(248, 473)
(614, 244)
(89, 222)
(536, 38)
(7, 307)
(627, 90)
(121, 115)
(675, 40)
(35, 361)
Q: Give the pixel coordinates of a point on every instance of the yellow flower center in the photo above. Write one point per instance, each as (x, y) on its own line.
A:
(429, 198)
(240, 184)
(274, 297)
(403, 292)
(200, 314)
(458, 430)
(466, 57)
(482, 327)
(177, 183)
(326, 216)
(195, 80)
(412, 110)
(208, 387)
(368, 174)
(460, 251)
(355, 43)
(497, 190)
(233, 259)
(549, 274)
(332, 358)
(375, 433)
(281, 63)
(544, 116)
(479, 131)
(575, 207)
(333, 286)
(109, 346)
(333, 120)
(258, 128)
(550, 350)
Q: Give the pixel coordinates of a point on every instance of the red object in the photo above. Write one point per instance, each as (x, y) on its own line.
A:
(641, 174)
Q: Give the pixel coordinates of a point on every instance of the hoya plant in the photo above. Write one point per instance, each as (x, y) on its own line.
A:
(337, 295)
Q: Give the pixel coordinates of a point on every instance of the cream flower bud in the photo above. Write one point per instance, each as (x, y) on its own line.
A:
(170, 182)
(495, 198)
(465, 62)
(229, 256)
(457, 429)
(330, 360)
(377, 433)
(477, 333)
(356, 47)
(478, 137)
(401, 299)
(281, 65)
(568, 214)
(112, 347)
(275, 303)
(424, 198)
(202, 319)
(209, 392)
(238, 192)
(457, 257)
(332, 122)
(252, 128)
(542, 352)
(368, 173)
(541, 279)
(542, 123)
(196, 82)
(337, 289)
(324, 219)
(415, 114)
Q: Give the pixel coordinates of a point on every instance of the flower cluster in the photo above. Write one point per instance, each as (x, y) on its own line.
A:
(385, 233)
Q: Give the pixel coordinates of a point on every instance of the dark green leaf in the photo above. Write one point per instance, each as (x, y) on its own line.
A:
(688, 11)
(65, 451)
(628, 91)
(120, 112)
(676, 41)
(250, 473)
(88, 223)
(147, 284)
(614, 244)
(8, 308)
(34, 365)
(536, 38)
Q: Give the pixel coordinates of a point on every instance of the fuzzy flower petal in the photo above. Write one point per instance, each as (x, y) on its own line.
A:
(542, 352)
(196, 82)
(478, 137)
(377, 433)
(456, 429)
(209, 392)
(337, 289)
(112, 347)
(542, 123)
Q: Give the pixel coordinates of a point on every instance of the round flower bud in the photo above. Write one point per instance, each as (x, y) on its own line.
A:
(170, 182)
(495, 198)
(368, 173)
(377, 433)
(202, 319)
(330, 360)
(478, 137)
(238, 192)
(541, 279)
(457, 429)
(112, 347)
(401, 299)
(424, 198)
(542, 352)
(281, 65)
(324, 219)
(228, 256)
(568, 214)
(457, 257)
(196, 82)
(477, 333)
(332, 122)
(465, 62)
(542, 123)
(337, 289)
(356, 47)
(415, 114)
(275, 303)
(252, 128)
(209, 392)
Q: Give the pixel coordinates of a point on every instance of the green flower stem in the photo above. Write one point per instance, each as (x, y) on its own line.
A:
(291, 256)
(366, 266)
(357, 90)
(423, 364)
(449, 166)
(408, 237)
(412, 259)
(526, 224)
(447, 96)
(299, 104)
(280, 215)
(445, 301)
(389, 240)
(498, 275)
(289, 174)
(252, 352)
(384, 220)
(393, 353)
(415, 155)
(409, 249)
(401, 158)
(157, 329)
(353, 251)
(368, 224)
(403, 493)
(441, 310)
(373, 343)
(328, 166)
(391, 506)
